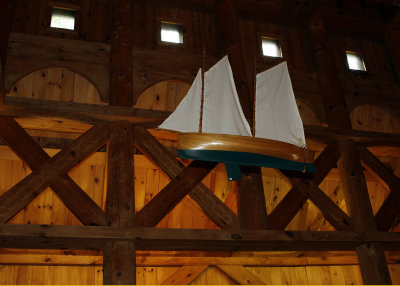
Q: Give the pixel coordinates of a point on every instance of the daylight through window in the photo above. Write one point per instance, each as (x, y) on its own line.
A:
(355, 61)
(63, 19)
(171, 33)
(271, 47)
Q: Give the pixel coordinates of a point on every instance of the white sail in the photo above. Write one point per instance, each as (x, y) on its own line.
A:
(276, 114)
(186, 117)
(222, 112)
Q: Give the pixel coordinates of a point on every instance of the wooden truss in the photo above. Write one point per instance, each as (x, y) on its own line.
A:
(119, 232)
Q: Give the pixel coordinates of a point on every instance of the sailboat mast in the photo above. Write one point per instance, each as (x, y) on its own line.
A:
(202, 90)
(254, 95)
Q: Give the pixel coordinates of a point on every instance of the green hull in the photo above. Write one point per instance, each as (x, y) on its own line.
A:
(234, 159)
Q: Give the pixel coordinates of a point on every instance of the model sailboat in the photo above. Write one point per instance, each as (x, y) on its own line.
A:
(225, 134)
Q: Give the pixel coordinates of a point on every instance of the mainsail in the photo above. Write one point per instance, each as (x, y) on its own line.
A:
(222, 112)
(276, 113)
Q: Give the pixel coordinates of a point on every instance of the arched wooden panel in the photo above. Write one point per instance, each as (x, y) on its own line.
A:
(57, 84)
(165, 96)
(373, 118)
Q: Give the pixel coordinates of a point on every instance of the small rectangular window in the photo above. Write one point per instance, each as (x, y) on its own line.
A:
(355, 61)
(63, 19)
(271, 47)
(171, 33)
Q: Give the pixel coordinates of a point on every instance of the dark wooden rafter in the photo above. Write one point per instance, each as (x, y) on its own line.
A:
(6, 17)
(392, 38)
(49, 172)
(121, 71)
(159, 206)
(212, 206)
(390, 209)
(77, 201)
(284, 212)
(120, 256)
(373, 265)
(95, 237)
(335, 107)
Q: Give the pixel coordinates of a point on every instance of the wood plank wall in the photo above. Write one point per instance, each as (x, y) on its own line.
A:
(48, 209)
(93, 24)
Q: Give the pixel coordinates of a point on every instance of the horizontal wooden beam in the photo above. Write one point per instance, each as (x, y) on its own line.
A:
(146, 258)
(369, 138)
(81, 112)
(95, 237)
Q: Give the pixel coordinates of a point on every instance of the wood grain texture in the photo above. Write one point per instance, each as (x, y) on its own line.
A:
(295, 199)
(120, 256)
(209, 203)
(251, 200)
(94, 237)
(185, 275)
(240, 275)
(372, 259)
(236, 143)
(70, 193)
(26, 190)
(158, 207)
(121, 73)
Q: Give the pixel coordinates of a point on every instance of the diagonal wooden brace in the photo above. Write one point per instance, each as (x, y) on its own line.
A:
(284, 212)
(51, 172)
(213, 207)
(154, 211)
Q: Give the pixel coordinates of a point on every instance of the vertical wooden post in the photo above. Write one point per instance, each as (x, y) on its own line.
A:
(119, 256)
(372, 259)
(392, 38)
(6, 17)
(332, 95)
(121, 76)
(251, 203)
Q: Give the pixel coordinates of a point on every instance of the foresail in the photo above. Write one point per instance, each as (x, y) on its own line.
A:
(186, 117)
(222, 112)
(276, 114)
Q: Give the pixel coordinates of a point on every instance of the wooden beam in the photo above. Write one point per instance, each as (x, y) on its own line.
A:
(26, 190)
(6, 19)
(240, 275)
(121, 73)
(212, 206)
(95, 237)
(81, 112)
(251, 200)
(331, 211)
(159, 206)
(76, 200)
(146, 258)
(284, 212)
(382, 173)
(392, 35)
(373, 264)
(185, 275)
(120, 256)
(388, 213)
(369, 138)
(332, 95)
(228, 28)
